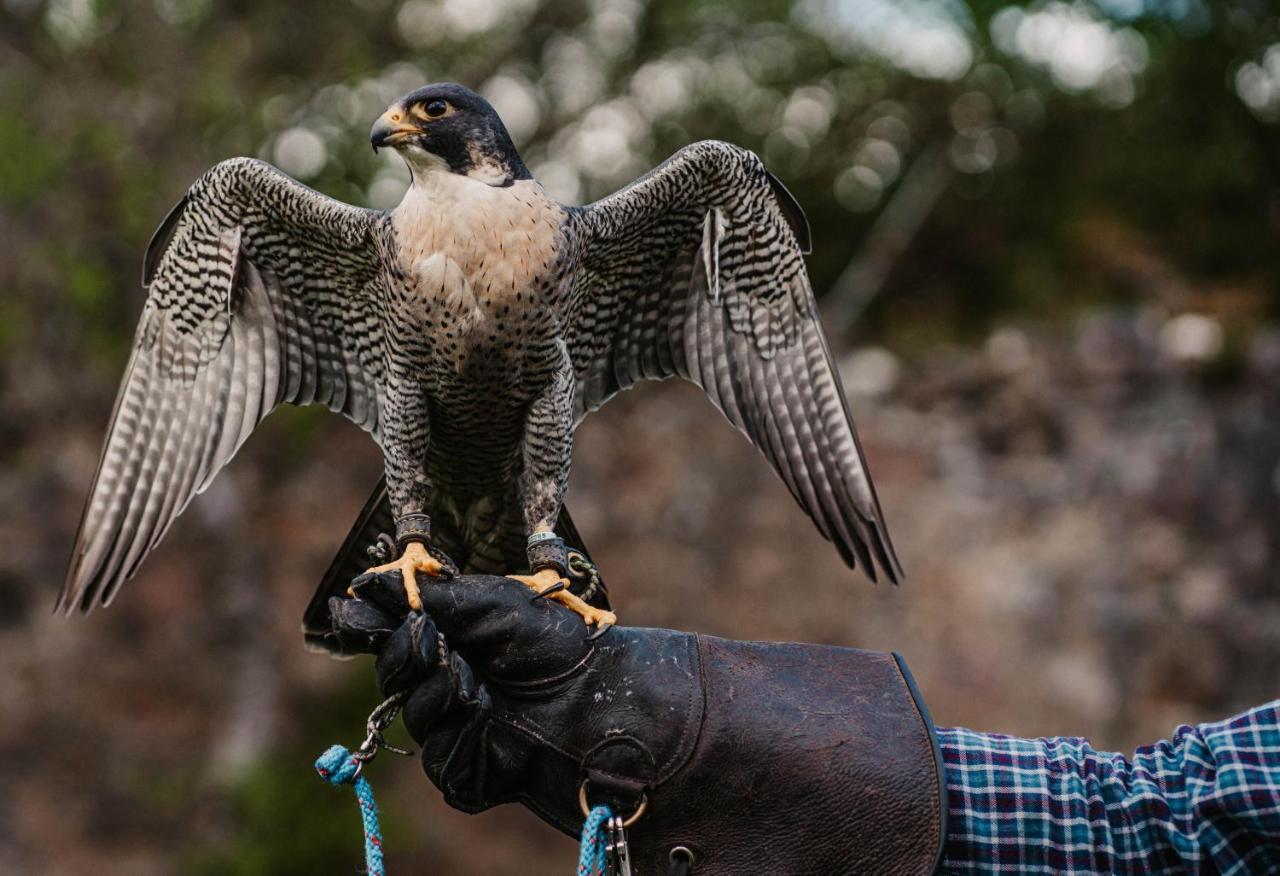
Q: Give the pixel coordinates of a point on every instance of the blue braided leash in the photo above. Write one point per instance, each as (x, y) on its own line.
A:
(337, 766)
(591, 851)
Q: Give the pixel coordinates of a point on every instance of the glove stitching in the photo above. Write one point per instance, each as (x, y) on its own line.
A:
(531, 730)
(531, 727)
(938, 787)
(538, 806)
(681, 752)
(481, 715)
(636, 743)
(548, 681)
(684, 749)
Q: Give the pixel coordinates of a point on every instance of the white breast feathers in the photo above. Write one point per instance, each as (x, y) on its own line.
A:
(468, 245)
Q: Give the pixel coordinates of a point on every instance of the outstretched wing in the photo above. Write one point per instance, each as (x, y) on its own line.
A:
(259, 291)
(697, 270)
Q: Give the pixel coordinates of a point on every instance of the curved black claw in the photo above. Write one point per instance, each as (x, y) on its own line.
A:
(554, 588)
(450, 569)
(600, 631)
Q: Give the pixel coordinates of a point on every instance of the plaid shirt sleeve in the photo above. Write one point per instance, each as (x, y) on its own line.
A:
(1205, 801)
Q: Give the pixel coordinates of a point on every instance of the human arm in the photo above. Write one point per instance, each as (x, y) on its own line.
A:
(1205, 800)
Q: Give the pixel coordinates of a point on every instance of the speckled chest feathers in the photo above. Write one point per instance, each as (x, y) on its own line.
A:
(476, 298)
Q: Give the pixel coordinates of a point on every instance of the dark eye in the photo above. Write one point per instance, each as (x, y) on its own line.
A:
(436, 108)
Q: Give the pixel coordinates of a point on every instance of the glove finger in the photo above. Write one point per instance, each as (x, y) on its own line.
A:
(453, 726)
(360, 625)
(384, 589)
(501, 632)
(409, 655)
(431, 708)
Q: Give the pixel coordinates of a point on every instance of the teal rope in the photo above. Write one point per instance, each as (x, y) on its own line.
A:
(337, 766)
(594, 839)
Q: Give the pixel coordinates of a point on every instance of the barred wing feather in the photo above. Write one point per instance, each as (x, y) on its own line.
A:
(259, 291)
(696, 270)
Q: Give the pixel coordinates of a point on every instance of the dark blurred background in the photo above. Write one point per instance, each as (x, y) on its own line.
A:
(1045, 241)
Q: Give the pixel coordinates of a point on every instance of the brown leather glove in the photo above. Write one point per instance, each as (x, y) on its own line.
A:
(756, 757)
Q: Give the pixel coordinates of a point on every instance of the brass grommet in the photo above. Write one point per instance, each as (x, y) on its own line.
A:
(634, 817)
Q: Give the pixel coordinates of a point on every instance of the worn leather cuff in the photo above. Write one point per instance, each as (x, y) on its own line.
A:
(411, 528)
(550, 553)
(757, 757)
(822, 760)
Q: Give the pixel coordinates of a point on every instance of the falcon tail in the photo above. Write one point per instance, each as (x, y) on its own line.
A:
(352, 560)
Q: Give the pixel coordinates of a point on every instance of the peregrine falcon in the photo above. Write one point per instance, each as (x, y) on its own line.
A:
(469, 331)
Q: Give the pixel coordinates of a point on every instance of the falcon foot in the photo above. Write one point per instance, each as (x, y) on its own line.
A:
(549, 585)
(414, 559)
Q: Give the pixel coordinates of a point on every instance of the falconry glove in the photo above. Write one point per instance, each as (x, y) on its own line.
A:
(755, 757)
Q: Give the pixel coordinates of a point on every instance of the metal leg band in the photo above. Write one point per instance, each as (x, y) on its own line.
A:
(549, 553)
(411, 528)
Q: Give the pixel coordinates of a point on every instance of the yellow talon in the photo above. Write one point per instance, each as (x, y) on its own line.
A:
(414, 559)
(540, 581)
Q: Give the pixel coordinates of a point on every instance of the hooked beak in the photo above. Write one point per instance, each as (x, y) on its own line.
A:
(391, 129)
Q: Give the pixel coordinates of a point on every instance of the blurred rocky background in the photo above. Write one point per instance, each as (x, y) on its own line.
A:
(1046, 248)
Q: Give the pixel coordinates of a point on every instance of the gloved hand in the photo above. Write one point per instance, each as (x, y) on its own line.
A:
(757, 757)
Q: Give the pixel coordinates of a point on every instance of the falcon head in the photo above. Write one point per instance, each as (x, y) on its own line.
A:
(448, 128)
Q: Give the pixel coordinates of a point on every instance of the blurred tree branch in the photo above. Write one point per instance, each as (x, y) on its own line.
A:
(915, 198)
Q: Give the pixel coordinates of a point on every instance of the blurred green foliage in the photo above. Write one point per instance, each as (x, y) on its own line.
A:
(286, 819)
(24, 173)
(1072, 130)
(961, 164)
